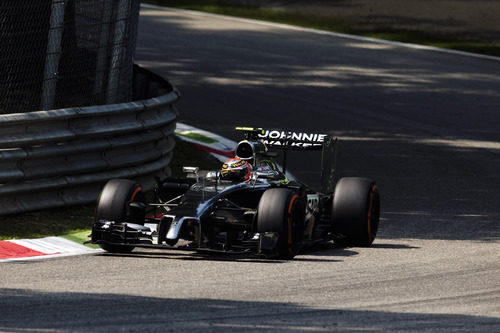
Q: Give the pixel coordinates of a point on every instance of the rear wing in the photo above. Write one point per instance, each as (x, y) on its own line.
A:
(285, 139)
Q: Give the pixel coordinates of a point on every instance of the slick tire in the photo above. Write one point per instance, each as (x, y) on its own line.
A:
(282, 211)
(113, 204)
(356, 211)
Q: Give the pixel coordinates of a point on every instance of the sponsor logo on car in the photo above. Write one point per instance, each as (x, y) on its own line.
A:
(292, 139)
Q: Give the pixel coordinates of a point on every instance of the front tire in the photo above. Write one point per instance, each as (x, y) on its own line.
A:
(356, 211)
(282, 211)
(113, 204)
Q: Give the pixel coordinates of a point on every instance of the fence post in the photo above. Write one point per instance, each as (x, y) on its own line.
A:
(101, 54)
(53, 54)
(117, 51)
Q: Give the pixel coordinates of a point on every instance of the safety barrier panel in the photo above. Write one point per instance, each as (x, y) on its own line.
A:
(63, 157)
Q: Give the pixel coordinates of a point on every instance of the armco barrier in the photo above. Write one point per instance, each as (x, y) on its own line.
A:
(63, 157)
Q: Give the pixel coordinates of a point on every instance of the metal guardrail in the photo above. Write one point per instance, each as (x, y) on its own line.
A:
(62, 157)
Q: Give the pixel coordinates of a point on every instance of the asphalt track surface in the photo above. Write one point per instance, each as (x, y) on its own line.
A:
(424, 124)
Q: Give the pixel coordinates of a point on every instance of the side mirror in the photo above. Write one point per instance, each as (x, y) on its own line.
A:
(191, 171)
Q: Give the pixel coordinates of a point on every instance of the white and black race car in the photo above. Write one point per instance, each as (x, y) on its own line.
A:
(248, 206)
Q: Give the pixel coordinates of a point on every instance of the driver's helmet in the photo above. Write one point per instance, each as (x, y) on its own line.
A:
(236, 169)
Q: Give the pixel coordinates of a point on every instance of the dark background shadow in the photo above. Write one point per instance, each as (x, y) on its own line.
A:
(31, 311)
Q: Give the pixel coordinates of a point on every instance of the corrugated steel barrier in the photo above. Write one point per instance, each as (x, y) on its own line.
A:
(62, 157)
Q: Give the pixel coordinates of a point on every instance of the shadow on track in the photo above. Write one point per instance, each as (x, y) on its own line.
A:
(318, 253)
(24, 310)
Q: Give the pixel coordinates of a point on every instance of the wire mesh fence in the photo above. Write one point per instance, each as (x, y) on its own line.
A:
(66, 53)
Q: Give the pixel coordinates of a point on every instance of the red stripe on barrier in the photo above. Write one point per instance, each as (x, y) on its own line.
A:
(10, 250)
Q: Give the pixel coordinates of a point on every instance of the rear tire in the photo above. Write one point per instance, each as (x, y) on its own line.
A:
(282, 211)
(113, 205)
(356, 211)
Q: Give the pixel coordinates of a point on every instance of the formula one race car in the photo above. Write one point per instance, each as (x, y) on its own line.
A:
(248, 206)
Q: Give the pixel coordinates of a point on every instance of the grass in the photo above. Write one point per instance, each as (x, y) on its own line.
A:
(333, 24)
(75, 222)
(58, 221)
